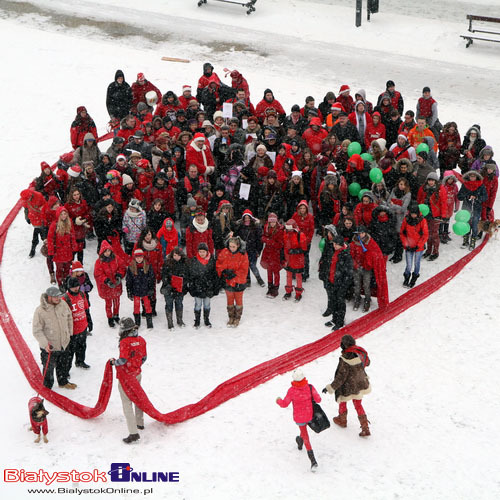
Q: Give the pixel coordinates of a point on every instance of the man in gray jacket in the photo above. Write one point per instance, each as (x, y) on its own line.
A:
(53, 327)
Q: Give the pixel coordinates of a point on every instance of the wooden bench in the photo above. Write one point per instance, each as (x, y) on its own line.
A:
(482, 29)
(248, 4)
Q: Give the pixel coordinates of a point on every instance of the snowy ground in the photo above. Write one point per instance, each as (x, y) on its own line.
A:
(433, 407)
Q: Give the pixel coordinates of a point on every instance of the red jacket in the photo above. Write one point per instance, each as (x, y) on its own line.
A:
(314, 139)
(167, 194)
(273, 244)
(139, 93)
(169, 238)
(133, 352)
(49, 215)
(237, 262)
(374, 132)
(414, 235)
(34, 202)
(347, 102)
(437, 201)
(300, 397)
(78, 304)
(195, 237)
(79, 210)
(491, 185)
(202, 158)
(260, 109)
(295, 241)
(306, 223)
(104, 270)
(80, 127)
(425, 106)
(61, 246)
(363, 213)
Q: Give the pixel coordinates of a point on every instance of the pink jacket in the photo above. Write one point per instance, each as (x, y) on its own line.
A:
(300, 396)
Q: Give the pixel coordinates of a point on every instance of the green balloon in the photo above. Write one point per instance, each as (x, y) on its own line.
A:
(354, 149)
(367, 157)
(462, 216)
(354, 189)
(422, 147)
(322, 244)
(461, 228)
(376, 175)
(362, 192)
(424, 209)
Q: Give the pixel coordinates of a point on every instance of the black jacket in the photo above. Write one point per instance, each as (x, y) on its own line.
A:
(384, 233)
(118, 97)
(203, 279)
(106, 226)
(171, 268)
(140, 282)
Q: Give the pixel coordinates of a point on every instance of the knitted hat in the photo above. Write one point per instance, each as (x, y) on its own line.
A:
(126, 179)
(272, 217)
(423, 155)
(297, 173)
(298, 375)
(389, 83)
(74, 171)
(73, 282)
(140, 77)
(138, 253)
(202, 246)
(432, 176)
(426, 89)
(347, 341)
(53, 291)
(295, 108)
(127, 325)
(339, 240)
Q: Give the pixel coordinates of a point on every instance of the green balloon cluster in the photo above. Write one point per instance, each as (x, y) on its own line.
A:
(462, 216)
(354, 189)
(367, 157)
(424, 209)
(362, 192)
(322, 244)
(422, 147)
(354, 149)
(376, 175)
(461, 228)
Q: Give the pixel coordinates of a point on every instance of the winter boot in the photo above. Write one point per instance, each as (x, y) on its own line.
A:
(249, 282)
(197, 317)
(153, 308)
(149, 320)
(137, 319)
(341, 419)
(170, 320)
(472, 244)
(111, 322)
(230, 313)
(298, 294)
(465, 243)
(288, 294)
(406, 282)
(365, 430)
(414, 278)
(178, 315)
(131, 438)
(32, 251)
(300, 442)
(357, 303)
(366, 304)
(314, 464)
(269, 293)
(52, 279)
(275, 291)
(206, 318)
(116, 319)
(260, 281)
(327, 313)
(237, 315)
(434, 256)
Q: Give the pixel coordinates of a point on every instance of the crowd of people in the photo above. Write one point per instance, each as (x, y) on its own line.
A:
(199, 187)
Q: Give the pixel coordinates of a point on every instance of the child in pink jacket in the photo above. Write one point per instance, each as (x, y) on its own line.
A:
(452, 203)
(300, 397)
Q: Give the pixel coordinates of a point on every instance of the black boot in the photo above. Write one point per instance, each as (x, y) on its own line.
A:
(137, 319)
(170, 320)
(178, 314)
(149, 320)
(206, 317)
(116, 319)
(260, 281)
(32, 251)
(314, 464)
(366, 305)
(131, 438)
(111, 322)
(465, 243)
(357, 303)
(414, 278)
(327, 313)
(406, 282)
(269, 293)
(300, 442)
(472, 244)
(197, 319)
(153, 308)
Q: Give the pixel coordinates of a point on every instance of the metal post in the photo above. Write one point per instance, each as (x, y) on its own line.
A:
(359, 11)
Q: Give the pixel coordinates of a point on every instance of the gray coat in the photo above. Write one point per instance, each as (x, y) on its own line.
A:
(52, 324)
(399, 210)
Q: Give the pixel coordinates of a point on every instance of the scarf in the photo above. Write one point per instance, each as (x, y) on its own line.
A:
(300, 383)
(363, 355)
(133, 214)
(149, 246)
(201, 227)
(205, 260)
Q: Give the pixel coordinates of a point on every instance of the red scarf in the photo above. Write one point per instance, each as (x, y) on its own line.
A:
(333, 264)
(473, 185)
(205, 260)
(363, 355)
(301, 383)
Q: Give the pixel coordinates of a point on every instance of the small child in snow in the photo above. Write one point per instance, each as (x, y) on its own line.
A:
(300, 395)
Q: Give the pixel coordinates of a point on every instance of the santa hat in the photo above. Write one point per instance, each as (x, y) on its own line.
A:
(121, 157)
(138, 252)
(186, 87)
(344, 89)
(74, 171)
(199, 137)
(298, 375)
(76, 266)
(337, 106)
(140, 77)
(249, 213)
(331, 170)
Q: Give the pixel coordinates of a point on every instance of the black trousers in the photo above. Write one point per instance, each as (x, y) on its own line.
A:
(77, 348)
(336, 301)
(60, 360)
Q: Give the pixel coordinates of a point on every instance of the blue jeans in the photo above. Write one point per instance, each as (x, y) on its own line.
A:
(198, 302)
(410, 258)
(171, 300)
(252, 266)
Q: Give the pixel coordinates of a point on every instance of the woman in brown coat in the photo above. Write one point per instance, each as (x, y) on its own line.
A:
(351, 383)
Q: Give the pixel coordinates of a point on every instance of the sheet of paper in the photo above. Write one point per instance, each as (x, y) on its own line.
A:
(244, 191)
(227, 110)
(272, 155)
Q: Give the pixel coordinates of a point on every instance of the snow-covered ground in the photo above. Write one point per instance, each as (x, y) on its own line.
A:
(435, 402)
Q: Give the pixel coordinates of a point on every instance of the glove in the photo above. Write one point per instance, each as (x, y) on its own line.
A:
(118, 279)
(79, 221)
(278, 399)
(108, 282)
(325, 390)
(85, 288)
(230, 274)
(119, 275)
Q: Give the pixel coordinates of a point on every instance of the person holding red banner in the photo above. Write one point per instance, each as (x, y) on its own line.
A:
(141, 283)
(174, 285)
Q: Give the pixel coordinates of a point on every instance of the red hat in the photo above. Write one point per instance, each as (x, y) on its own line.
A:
(262, 171)
(186, 87)
(337, 105)
(291, 224)
(222, 203)
(344, 89)
(272, 217)
(138, 253)
(143, 163)
(140, 77)
(315, 121)
(44, 165)
(66, 157)
(198, 136)
(76, 266)
(26, 194)
(249, 213)
(74, 171)
(252, 119)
